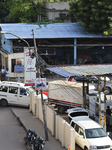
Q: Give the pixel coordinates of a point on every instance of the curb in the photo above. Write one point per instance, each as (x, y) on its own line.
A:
(19, 120)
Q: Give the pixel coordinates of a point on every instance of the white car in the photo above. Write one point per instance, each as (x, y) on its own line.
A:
(89, 135)
(75, 112)
(15, 93)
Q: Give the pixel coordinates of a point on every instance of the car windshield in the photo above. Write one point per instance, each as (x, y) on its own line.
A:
(30, 89)
(95, 133)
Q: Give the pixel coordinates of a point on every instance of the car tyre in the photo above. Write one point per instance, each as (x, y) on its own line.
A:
(108, 90)
(85, 148)
(61, 109)
(4, 103)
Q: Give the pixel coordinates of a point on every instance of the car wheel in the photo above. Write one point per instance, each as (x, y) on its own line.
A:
(61, 109)
(85, 148)
(108, 90)
(4, 102)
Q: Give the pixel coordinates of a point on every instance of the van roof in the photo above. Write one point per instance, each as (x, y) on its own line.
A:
(86, 123)
(8, 83)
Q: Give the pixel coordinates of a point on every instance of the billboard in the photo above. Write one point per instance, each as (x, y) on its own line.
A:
(18, 68)
(40, 84)
(29, 68)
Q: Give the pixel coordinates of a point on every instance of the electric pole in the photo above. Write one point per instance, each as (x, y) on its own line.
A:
(39, 76)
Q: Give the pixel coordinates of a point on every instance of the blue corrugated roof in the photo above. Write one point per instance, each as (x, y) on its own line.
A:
(55, 30)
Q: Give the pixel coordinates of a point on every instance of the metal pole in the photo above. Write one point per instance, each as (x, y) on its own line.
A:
(38, 70)
(105, 103)
(99, 100)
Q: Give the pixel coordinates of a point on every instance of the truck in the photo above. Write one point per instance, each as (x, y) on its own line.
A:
(65, 94)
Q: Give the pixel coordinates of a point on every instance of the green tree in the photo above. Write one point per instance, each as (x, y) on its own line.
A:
(93, 14)
(24, 11)
(3, 11)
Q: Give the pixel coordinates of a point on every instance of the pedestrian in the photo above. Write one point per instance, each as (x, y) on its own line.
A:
(3, 72)
(108, 114)
(7, 74)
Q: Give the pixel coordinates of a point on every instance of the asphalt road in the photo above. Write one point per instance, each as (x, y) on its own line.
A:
(11, 132)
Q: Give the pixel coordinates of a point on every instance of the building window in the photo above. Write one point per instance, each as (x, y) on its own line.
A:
(17, 61)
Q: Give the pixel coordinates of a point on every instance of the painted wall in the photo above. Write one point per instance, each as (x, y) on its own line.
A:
(7, 44)
(53, 10)
(15, 56)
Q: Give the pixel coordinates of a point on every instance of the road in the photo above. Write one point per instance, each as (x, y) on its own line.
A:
(11, 132)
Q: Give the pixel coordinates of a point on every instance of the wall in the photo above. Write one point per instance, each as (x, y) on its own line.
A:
(15, 56)
(58, 127)
(53, 9)
(6, 44)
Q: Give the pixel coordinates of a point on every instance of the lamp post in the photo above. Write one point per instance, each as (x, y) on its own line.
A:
(4, 32)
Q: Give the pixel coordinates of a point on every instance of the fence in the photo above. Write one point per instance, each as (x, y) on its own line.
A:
(58, 127)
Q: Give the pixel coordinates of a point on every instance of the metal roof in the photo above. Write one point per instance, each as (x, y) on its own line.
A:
(85, 70)
(55, 30)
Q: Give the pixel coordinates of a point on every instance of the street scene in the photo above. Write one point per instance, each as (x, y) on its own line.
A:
(56, 75)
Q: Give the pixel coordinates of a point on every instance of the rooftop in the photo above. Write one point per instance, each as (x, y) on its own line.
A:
(55, 30)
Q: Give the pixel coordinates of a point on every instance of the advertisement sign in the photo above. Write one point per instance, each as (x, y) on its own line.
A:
(29, 68)
(40, 84)
(18, 68)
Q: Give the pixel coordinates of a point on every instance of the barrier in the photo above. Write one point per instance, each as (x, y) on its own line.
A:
(55, 123)
(50, 118)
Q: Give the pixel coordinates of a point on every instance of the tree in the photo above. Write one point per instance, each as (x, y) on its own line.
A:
(24, 11)
(93, 14)
(3, 11)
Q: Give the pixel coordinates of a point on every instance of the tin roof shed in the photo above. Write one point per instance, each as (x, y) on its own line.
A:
(49, 31)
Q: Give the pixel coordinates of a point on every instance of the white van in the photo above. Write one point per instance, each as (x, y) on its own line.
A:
(89, 135)
(14, 93)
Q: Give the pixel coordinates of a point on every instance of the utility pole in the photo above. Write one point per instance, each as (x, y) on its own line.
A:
(39, 73)
(99, 92)
(105, 103)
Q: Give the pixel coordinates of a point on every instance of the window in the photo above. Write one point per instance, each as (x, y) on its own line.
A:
(19, 62)
(81, 132)
(76, 128)
(22, 91)
(73, 124)
(4, 88)
(13, 90)
(95, 133)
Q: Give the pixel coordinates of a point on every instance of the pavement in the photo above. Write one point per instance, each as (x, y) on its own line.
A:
(29, 121)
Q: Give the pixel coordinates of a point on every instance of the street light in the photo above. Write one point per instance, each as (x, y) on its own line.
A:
(4, 32)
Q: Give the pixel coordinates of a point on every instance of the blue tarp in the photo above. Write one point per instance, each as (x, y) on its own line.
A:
(61, 72)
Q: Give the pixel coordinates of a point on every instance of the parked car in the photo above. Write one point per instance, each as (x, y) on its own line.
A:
(94, 81)
(15, 93)
(89, 135)
(75, 112)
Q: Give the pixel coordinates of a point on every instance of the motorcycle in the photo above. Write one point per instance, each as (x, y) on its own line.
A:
(33, 142)
(39, 143)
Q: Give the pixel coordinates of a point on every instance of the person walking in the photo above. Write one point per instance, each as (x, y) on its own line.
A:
(7, 74)
(3, 72)
(108, 114)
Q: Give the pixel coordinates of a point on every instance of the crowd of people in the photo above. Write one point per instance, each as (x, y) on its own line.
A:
(4, 74)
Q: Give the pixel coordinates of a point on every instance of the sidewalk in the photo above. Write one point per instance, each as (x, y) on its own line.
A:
(29, 121)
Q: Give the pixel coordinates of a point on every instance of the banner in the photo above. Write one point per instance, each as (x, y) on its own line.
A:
(29, 67)
(40, 84)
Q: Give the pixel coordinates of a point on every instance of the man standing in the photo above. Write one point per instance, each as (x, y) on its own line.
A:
(3, 71)
(108, 114)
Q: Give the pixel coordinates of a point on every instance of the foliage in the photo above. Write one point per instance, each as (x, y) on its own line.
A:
(93, 14)
(24, 10)
(3, 11)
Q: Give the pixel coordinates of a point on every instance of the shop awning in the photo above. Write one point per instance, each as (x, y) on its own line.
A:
(61, 72)
(86, 70)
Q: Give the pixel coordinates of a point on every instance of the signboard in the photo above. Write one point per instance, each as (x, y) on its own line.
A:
(40, 84)
(29, 67)
(18, 68)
